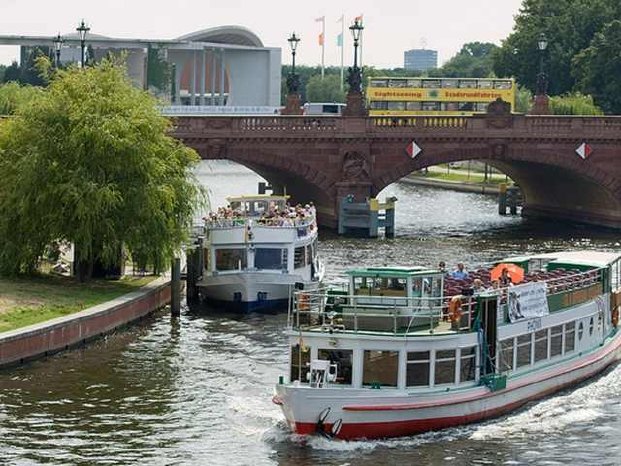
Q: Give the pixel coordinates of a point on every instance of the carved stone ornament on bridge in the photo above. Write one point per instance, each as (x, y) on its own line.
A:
(498, 149)
(499, 114)
(355, 167)
(216, 123)
(216, 149)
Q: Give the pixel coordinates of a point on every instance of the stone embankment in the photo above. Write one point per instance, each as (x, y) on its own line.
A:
(40, 340)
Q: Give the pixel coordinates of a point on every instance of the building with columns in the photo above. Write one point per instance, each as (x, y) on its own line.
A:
(224, 66)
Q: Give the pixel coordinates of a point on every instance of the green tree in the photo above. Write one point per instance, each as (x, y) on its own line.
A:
(13, 96)
(89, 161)
(569, 26)
(158, 70)
(598, 68)
(523, 100)
(327, 89)
(474, 60)
(574, 104)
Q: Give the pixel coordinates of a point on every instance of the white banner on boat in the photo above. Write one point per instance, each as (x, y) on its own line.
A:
(527, 301)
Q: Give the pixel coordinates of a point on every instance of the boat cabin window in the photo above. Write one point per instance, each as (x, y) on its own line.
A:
(523, 350)
(417, 374)
(556, 341)
(467, 364)
(299, 257)
(270, 259)
(445, 367)
(380, 368)
(231, 259)
(300, 361)
(570, 337)
(506, 355)
(541, 345)
(615, 274)
(380, 286)
(580, 331)
(537, 265)
(344, 363)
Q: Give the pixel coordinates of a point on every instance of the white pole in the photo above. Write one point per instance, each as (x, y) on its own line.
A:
(342, 49)
(323, 45)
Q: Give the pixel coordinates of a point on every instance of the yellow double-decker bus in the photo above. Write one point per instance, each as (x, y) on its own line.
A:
(436, 96)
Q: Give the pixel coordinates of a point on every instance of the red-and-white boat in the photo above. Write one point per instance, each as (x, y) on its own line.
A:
(404, 351)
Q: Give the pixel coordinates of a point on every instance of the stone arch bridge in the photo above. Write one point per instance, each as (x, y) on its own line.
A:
(322, 159)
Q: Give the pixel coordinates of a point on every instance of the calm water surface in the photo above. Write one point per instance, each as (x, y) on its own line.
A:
(197, 390)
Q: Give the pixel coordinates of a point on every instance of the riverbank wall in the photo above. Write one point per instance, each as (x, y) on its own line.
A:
(45, 338)
(480, 188)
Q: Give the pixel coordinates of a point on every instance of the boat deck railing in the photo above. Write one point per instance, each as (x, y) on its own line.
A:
(254, 222)
(334, 311)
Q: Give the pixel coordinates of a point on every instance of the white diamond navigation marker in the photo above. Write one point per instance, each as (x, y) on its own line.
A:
(584, 150)
(413, 149)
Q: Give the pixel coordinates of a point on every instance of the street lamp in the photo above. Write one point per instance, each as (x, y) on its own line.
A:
(355, 101)
(58, 44)
(292, 79)
(356, 31)
(542, 79)
(82, 30)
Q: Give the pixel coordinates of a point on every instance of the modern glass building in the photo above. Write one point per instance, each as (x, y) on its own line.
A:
(420, 59)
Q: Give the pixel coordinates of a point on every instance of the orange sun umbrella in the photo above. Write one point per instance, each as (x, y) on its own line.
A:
(515, 272)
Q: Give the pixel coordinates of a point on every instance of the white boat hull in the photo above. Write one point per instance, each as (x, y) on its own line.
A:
(367, 413)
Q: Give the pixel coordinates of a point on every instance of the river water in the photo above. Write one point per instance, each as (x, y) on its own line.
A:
(198, 390)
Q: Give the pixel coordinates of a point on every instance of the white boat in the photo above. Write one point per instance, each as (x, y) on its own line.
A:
(396, 354)
(257, 251)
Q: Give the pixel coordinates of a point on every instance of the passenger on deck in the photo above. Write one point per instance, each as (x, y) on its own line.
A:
(477, 287)
(442, 267)
(505, 279)
(460, 273)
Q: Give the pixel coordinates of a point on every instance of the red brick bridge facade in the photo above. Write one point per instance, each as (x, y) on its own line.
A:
(322, 159)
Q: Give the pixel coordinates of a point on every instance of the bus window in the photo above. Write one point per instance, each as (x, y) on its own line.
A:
(450, 106)
(431, 106)
(467, 84)
(396, 105)
(413, 82)
(482, 106)
(413, 106)
(397, 83)
(485, 84)
(431, 83)
(502, 84)
(377, 105)
(449, 83)
(379, 83)
(466, 106)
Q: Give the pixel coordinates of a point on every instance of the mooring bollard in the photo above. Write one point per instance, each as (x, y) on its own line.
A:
(175, 288)
(502, 199)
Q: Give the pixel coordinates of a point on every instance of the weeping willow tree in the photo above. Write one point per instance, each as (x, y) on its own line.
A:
(89, 161)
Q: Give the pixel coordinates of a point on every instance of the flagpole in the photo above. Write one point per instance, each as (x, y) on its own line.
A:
(323, 45)
(342, 50)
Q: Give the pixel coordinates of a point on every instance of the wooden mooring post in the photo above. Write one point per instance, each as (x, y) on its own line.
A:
(175, 288)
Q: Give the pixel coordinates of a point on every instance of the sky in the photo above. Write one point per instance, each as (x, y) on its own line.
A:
(390, 27)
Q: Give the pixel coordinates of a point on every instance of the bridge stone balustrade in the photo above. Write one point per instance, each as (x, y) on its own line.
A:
(321, 159)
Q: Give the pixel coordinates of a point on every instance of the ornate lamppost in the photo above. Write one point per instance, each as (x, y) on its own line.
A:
(355, 100)
(58, 44)
(541, 105)
(82, 30)
(293, 106)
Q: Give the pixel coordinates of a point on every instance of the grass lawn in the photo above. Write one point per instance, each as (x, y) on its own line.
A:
(461, 176)
(26, 301)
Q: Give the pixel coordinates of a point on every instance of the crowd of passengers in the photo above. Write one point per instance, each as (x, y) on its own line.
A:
(479, 281)
(284, 216)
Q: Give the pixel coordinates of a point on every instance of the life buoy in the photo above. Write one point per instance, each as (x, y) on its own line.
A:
(614, 318)
(455, 309)
(303, 302)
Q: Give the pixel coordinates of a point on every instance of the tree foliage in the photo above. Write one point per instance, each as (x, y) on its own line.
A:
(89, 161)
(569, 26)
(327, 89)
(598, 68)
(474, 60)
(13, 96)
(574, 104)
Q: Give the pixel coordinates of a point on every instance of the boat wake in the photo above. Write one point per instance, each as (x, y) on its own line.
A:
(581, 406)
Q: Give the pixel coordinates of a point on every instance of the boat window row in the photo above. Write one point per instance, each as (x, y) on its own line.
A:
(431, 106)
(548, 343)
(431, 83)
(380, 368)
(265, 258)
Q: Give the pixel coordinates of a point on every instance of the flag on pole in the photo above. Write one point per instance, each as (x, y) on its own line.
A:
(321, 38)
(339, 40)
(358, 18)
